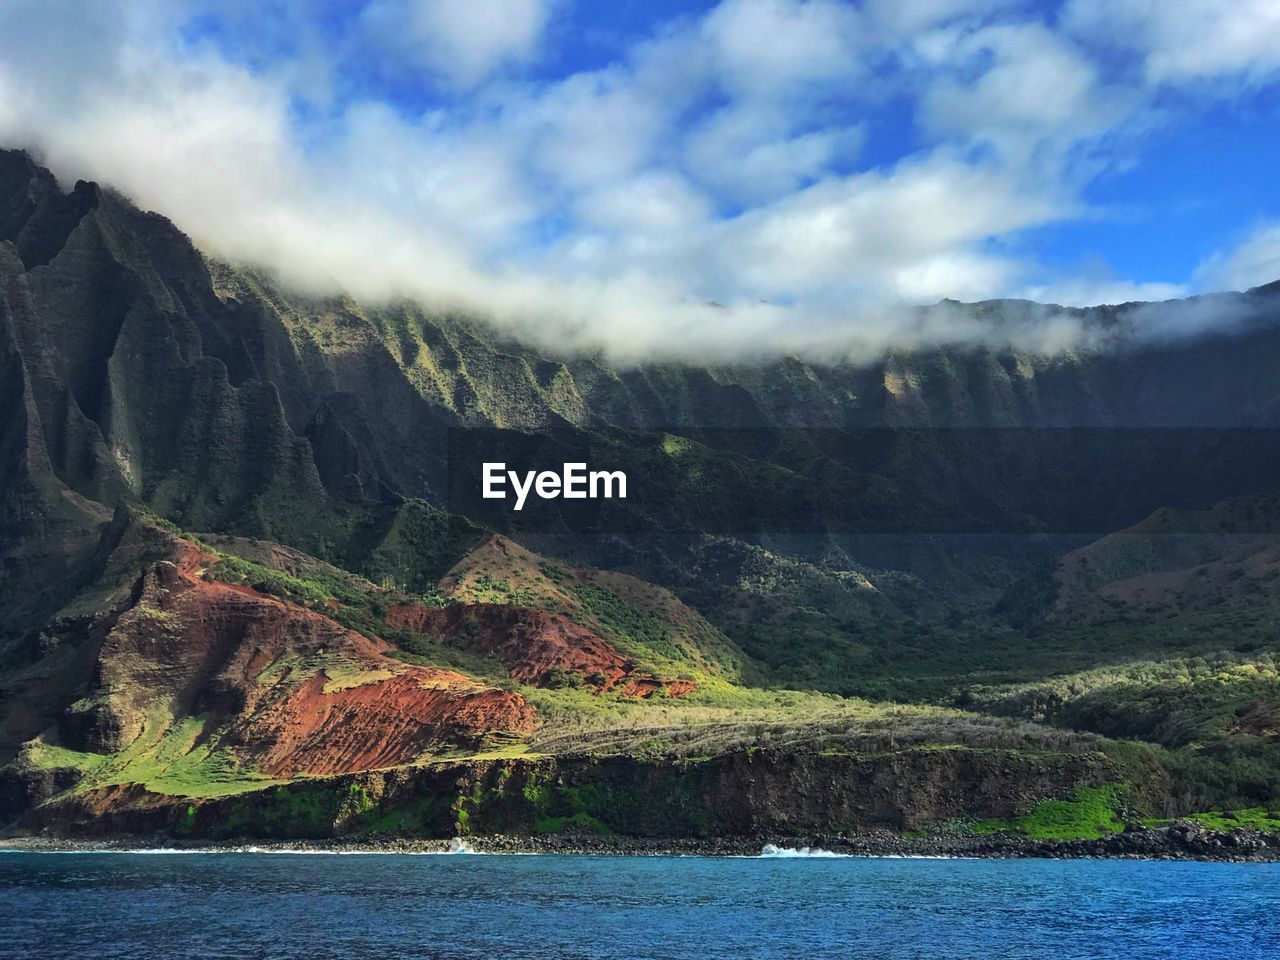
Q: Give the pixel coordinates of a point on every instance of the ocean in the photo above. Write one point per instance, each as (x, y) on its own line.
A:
(789, 904)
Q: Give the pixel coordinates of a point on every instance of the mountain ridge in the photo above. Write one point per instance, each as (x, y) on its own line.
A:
(176, 427)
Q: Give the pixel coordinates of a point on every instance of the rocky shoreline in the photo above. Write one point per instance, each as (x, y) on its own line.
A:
(1176, 841)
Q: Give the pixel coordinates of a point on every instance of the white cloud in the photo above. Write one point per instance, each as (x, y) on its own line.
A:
(1255, 262)
(1085, 292)
(465, 180)
(915, 234)
(774, 48)
(463, 40)
(1022, 89)
(1184, 40)
(905, 18)
(589, 129)
(721, 159)
(656, 203)
(751, 154)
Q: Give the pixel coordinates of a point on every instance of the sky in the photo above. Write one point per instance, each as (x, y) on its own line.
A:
(668, 178)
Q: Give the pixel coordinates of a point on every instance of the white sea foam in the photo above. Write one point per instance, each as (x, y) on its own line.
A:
(456, 846)
(770, 850)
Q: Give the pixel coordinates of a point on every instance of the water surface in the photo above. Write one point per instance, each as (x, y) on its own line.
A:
(126, 905)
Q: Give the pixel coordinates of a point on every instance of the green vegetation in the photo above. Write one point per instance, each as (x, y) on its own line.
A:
(557, 808)
(300, 809)
(353, 602)
(1172, 702)
(322, 427)
(1217, 716)
(1251, 818)
(306, 593)
(629, 628)
(169, 756)
(1091, 815)
(414, 549)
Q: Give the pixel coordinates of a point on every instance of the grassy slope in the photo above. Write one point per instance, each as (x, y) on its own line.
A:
(645, 621)
(1217, 718)
(1090, 814)
(168, 757)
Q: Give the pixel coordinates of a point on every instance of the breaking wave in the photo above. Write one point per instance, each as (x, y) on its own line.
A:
(770, 850)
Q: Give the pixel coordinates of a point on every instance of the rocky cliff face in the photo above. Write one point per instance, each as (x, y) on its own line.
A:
(203, 391)
(739, 795)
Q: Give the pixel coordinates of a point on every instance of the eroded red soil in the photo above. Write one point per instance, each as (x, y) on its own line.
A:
(533, 645)
(295, 691)
(379, 724)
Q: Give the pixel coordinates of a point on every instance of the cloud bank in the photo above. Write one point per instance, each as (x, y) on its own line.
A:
(717, 184)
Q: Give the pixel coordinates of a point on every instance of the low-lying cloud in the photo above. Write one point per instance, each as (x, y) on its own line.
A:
(695, 195)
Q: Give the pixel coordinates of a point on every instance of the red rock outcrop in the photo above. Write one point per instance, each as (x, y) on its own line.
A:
(534, 645)
(291, 690)
(378, 724)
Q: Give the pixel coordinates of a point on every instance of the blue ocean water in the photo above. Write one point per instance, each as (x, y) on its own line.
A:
(312, 906)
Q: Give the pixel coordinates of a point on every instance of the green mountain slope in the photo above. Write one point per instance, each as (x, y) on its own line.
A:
(233, 561)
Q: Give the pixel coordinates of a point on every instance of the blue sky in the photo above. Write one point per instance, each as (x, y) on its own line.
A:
(594, 173)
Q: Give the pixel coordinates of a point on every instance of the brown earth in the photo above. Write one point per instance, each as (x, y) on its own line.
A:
(378, 724)
(293, 690)
(534, 645)
(1174, 562)
(1260, 719)
(500, 572)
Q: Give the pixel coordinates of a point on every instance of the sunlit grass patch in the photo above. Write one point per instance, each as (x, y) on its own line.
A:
(167, 757)
(1090, 816)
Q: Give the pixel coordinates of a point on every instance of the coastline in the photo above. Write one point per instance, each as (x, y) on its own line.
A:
(1177, 841)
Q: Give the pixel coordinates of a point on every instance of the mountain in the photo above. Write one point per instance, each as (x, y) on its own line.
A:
(246, 587)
